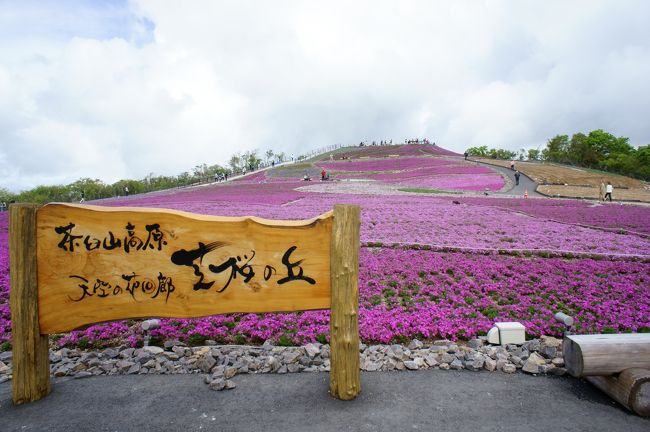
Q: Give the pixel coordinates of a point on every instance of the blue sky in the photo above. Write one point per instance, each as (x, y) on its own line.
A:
(65, 19)
(114, 90)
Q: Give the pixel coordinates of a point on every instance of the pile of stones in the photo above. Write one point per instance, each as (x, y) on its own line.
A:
(221, 363)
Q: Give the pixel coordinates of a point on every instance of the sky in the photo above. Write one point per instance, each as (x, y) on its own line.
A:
(120, 89)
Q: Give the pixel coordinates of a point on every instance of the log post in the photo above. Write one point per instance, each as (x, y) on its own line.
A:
(605, 354)
(631, 389)
(345, 381)
(31, 363)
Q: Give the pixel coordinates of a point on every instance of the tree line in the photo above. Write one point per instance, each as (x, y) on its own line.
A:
(597, 150)
(92, 189)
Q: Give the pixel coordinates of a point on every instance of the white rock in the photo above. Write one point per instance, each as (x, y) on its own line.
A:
(153, 350)
(411, 365)
(312, 350)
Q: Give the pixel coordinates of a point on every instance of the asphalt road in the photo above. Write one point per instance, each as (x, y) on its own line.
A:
(401, 401)
(525, 183)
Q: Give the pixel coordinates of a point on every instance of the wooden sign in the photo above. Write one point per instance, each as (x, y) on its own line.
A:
(100, 263)
(74, 265)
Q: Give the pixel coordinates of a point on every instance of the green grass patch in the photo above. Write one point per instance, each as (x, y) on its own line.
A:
(284, 340)
(296, 166)
(196, 340)
(429, 191)
(490, 312)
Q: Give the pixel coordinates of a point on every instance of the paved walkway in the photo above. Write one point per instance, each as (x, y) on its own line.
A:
(525, 183)
(399, 401)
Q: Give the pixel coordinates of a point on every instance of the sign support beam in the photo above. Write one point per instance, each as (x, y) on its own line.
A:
(31, 362)
(345, 381)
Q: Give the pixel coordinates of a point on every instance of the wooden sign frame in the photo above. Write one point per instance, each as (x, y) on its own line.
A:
(31, 286)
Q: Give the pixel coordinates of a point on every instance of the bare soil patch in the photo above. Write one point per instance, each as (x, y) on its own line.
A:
(574, 182)
(592, 192)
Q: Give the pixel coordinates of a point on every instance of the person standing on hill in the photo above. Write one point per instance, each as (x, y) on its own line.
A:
(466, 154)
(126, 190)
(517, 175)
(322, 175)
(601, 191)
(512, 165)
(608, 191)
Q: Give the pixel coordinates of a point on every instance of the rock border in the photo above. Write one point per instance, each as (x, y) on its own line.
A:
(220, 363)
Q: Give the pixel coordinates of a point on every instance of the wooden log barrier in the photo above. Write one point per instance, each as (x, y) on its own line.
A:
(631, 389)
(75, 265)
(605, 354)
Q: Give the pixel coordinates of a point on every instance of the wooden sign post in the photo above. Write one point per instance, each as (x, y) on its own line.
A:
(75, 265)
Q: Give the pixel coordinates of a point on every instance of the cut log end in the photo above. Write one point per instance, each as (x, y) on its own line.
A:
(631, 389)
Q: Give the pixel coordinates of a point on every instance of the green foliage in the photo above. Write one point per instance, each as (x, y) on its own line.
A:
(92, 189)
(322, 338)
(284, 340)
(5, 346)
(483, 151)
(429, 191)
(490, 312)
(599, 150)
(534, 154)
(556, 149)
(196, 340)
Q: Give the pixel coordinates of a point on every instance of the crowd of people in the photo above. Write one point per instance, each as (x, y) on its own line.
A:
(418, 141)
(390, 142)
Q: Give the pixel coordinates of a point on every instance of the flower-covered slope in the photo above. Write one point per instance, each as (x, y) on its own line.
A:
(512, 259)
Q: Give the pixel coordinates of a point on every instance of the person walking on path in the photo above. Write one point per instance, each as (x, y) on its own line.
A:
(601, 192)
(512, 165)
(608, 191)
(83, 198)
(517, 175)
(466, 154)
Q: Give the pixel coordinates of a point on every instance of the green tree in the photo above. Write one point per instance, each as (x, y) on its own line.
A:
(605, 144)
(252, 160)
(91, 188)
(533, 154)
(642, 156)
(556, 149)
(6, 196)
(235, 161)
(481, 151)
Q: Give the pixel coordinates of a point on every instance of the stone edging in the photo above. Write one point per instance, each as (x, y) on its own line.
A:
(221, 363)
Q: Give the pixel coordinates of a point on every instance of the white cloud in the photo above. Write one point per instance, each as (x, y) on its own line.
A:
(124, 89)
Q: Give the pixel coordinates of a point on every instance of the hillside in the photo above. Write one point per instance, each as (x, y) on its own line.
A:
(568, 181)
(431, 265)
